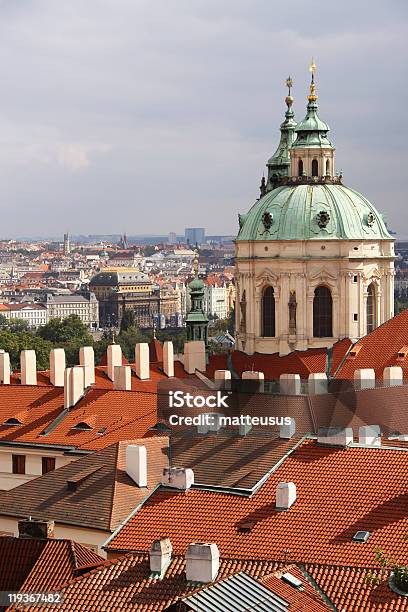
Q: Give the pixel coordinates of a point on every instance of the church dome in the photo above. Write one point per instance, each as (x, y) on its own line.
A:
(312, 212)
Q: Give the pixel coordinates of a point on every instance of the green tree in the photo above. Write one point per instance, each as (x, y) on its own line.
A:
(128, 320)
(14, 342)
(60, 331)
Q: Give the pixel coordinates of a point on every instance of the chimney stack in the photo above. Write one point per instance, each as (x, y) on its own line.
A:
(256, 380)
(289, 384)
(160, 555)
(288, 431)
(168, 358)
(136, 464)
(142, 361)
(28, 364)
(202, 562)
(4, 368)
(57, 367)
(285, 495)
(73, 386)
(194, 356)
(335, 436)
(370, 435)
(123, 378)
(364, 378)
(393, 376)
(177, 478)
(318, 383)
(222, 379)
(87, 361)
(114, 356)
(30, 528)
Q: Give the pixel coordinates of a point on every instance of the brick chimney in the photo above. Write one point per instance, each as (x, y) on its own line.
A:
(4, 368)
(136, 464)
(177, 478)
(202, 562)
(114, 357)
(28, 365)
(160, 555)
(122, 378)
(31, 528)
(285, 495)
(57, 367)
(73, 386)
(168, 358)
(87, 361)
(142, 360)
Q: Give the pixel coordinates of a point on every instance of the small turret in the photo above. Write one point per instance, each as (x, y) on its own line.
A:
(196, 319)
(279, 164)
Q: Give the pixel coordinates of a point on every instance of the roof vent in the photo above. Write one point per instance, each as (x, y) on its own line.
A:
(82, 426)
(361, 536)
(202, 562)
(335, 436)
(246, 527)
(12, 421)
(354, 351)
(403, 352)
(292, 580)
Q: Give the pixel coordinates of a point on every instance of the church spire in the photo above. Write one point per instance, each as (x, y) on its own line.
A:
(279, 164)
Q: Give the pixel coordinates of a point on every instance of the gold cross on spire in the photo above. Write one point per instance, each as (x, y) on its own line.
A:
(312, 68)
(195, 263)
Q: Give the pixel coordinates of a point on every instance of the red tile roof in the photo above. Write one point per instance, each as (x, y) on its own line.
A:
(305, 600)
(379, 349)
(35, 564)
(338, 493)
(105, 495)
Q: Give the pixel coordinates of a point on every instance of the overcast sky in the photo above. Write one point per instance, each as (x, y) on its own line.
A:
(148, 116)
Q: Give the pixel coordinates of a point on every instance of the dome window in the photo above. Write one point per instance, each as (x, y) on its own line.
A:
(327, 167)
(322, 313)
(268, 313)
(300, 167)
(371, 318)
(315, 167)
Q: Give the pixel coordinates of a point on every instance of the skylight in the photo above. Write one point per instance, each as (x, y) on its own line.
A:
(361, 536)
(292, 580)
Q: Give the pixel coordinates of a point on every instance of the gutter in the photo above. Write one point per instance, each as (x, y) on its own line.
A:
(68, 450)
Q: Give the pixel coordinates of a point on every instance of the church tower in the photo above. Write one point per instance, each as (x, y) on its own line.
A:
(314, 259)
(196, 319)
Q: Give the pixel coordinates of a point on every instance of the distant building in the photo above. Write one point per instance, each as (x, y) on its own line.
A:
(125, 260)
(86, 307)
(33, 313)
(216, 301)
(67, 244)
(194, 235)
(123, 289)
(172, 238)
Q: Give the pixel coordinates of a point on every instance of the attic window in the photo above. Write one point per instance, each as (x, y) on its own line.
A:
(12, 421)
(292, 580)
(246, 527)
(361, 536)
(82, 426)
(101, 431)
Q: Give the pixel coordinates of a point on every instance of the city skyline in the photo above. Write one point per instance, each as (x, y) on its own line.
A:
(168, 115)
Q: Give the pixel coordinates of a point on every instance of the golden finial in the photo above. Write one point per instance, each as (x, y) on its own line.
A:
(289, 85)
(195, 263)
(312, 68)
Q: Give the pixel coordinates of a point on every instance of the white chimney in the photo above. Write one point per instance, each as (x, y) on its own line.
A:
(142, 360)
(168, 358)
(285, 495)
(212, 422)
(257, 378)
(122, 378)
(194, 356)
(28, 364)
(136, 464)
(393, 376)
(287, 431)
(4, 368)
(160, 555)
(222, 379)
(177, 478)
(57, 367)
(370, 435)
(289, 384)
(202, 562)
(335, 436)
(318, 383)
(73, 386)
(364, 379)
(87, 361)
(114, 355)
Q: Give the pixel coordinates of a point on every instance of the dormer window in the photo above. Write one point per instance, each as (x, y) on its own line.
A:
(12, 421)
(82, 426)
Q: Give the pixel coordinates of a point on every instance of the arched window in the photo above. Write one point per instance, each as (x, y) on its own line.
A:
(268, 312)
(322, 313)
(327, 167)
(371, 318)
(315, 168)
(300, 167)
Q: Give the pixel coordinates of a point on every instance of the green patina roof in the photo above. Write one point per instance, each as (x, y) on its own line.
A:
(312, 131)
(294, 214)
(279, 163)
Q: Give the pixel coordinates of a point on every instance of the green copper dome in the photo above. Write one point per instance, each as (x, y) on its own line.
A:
(312, 212)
